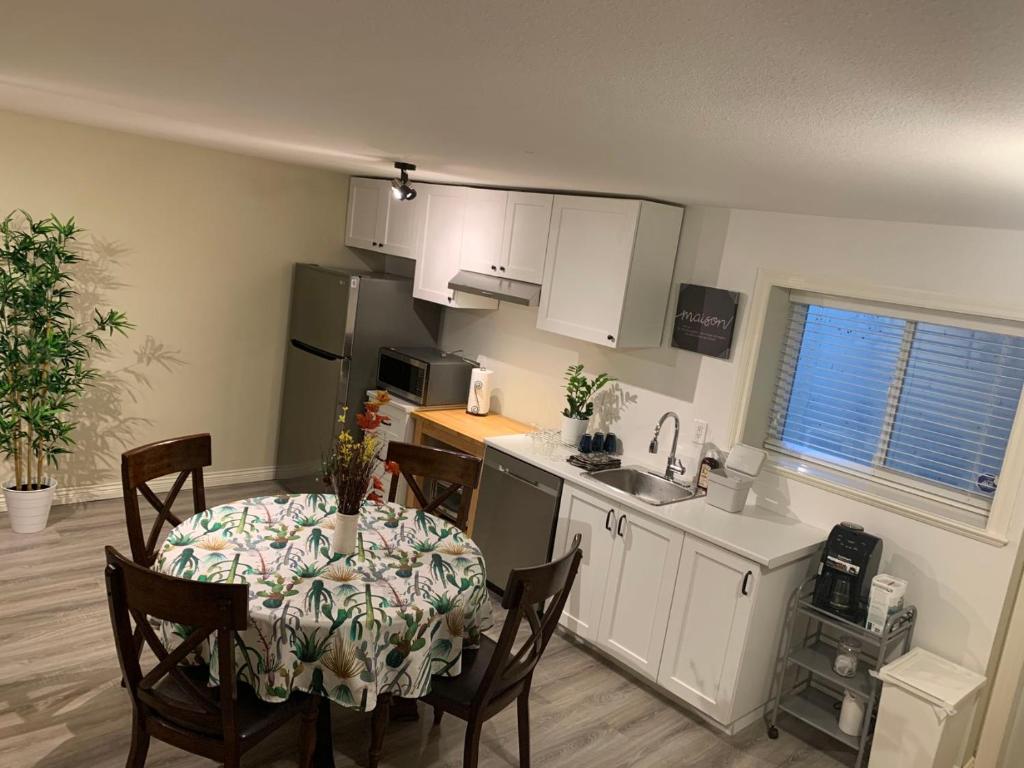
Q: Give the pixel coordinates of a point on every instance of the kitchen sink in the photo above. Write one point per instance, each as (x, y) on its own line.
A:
(644, 484)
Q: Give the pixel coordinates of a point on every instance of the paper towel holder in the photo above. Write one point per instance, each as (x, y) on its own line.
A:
(478, 402)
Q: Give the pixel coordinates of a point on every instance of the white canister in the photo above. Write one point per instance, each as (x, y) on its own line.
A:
(851, 716)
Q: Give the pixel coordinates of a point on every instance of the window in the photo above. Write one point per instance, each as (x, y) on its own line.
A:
(901, 399)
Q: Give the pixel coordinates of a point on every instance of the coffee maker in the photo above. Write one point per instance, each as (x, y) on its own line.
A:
(848, 564)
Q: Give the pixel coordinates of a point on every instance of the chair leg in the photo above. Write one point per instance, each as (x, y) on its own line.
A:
(438, 714)
(523, 705)
(307, 735)
(140, 744)
(379, 725)
(471, 755)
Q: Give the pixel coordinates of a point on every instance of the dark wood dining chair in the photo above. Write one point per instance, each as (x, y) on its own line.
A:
(172, 702)
(497, 674)
(460, 471)
(185, 456)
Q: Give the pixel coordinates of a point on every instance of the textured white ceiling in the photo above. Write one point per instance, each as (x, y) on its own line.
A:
(905, 110)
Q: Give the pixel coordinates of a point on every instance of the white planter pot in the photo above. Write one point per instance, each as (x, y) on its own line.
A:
(573, 430)
(346, 528)
(29, 510)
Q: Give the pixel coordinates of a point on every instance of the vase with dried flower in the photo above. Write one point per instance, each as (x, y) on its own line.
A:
(350, 470)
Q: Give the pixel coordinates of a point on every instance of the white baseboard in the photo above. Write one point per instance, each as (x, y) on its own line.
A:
(77, 494)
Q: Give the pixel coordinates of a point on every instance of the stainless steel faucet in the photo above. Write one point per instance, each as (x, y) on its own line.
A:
(674, 464)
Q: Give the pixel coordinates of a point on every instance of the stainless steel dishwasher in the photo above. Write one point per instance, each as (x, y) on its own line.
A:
(516, 512)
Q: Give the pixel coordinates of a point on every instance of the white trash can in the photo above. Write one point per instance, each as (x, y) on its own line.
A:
(926, 708)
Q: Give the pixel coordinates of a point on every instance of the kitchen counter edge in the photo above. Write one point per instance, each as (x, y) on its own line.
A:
(765, 537)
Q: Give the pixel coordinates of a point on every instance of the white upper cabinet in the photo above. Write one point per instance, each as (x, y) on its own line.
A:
(377, 221)
(439, 245)
(608, 270)
(708, 627)
(506, 233)
(524, 241)
(481, 234)
(364, 213)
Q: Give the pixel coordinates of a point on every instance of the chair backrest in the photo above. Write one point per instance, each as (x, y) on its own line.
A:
(525, 594)
(184, 455)
(134, 594)
(459, 470)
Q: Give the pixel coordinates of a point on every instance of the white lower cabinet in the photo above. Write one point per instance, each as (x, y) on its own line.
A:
(708, 627)
(700, 621)
(638, 593)
(592, 518)
(621, 597)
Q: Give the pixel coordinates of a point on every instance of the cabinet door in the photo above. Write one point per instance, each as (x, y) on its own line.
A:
(367, 208)
(707, 628)
(481, 233)
(398, 237)
(586, 269)
(591, 517)
(525, 238)
(639, 591)
(438, 243)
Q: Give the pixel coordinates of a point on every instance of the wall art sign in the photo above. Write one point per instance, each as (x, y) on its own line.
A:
(705, 320)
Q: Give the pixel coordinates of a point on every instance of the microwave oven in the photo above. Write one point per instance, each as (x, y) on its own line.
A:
(424, 376)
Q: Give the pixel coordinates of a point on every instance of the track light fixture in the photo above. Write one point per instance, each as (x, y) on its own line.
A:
(400, 187)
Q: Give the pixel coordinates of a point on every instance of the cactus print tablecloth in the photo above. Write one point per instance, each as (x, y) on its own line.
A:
(348, 628)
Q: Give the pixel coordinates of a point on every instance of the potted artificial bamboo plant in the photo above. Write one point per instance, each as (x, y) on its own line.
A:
(579, 391)
(45, 349)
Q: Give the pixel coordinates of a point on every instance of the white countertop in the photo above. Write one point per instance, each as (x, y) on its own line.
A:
(764, 537)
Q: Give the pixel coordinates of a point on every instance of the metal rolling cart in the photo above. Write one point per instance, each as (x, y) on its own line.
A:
(809, 689)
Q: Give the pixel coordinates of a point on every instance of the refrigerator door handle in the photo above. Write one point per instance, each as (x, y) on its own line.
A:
(315, 351)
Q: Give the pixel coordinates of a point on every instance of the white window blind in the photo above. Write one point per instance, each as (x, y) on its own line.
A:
(922, 406)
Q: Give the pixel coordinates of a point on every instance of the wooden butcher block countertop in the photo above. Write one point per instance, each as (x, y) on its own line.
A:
(464, 430)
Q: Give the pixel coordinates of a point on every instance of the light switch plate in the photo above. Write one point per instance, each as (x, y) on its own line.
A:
(700, 431)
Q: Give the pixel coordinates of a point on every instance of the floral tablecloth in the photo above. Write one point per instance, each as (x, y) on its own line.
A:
(349, 628)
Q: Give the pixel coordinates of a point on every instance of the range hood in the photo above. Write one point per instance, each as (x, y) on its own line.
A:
(500, 288)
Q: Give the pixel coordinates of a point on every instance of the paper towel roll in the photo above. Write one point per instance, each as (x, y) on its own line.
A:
(851, 715)
(479, 402)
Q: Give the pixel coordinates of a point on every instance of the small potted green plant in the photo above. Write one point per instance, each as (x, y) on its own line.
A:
(45, 349)
(579, 391)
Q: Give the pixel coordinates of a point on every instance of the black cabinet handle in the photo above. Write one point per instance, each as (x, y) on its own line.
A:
(610, 337)
(493, 267)
(608, 519)
(618, 528)
(501, 268)
(746, 578)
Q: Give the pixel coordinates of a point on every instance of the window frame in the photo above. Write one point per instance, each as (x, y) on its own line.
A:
(759, 361)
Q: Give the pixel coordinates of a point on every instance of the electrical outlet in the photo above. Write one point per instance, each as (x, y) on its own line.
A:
(700, 431)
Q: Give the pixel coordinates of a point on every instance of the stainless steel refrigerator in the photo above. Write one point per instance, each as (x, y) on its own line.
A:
(339, 321)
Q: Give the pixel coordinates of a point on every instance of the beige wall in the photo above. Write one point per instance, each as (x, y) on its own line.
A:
(959, 584)
(196, 246)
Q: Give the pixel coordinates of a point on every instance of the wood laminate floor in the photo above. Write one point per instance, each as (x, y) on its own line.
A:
(61, 705)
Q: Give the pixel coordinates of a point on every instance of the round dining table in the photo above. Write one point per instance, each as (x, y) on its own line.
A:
(349, 628)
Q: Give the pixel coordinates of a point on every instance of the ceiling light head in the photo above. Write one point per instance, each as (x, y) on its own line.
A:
(400, 187)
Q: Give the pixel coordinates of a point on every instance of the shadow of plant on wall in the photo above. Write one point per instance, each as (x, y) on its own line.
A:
(105, 423)
(609, 405)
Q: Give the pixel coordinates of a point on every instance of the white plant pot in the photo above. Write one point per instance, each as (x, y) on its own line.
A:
(573, 430)
(29, 510)
(346, 529)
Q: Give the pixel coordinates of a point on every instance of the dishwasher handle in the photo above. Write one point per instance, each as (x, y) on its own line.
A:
(495, 463)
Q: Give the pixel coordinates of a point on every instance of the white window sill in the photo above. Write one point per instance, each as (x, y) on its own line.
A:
(901, 502)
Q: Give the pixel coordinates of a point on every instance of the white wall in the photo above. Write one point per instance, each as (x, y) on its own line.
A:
(959, 584)
(196, 246)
